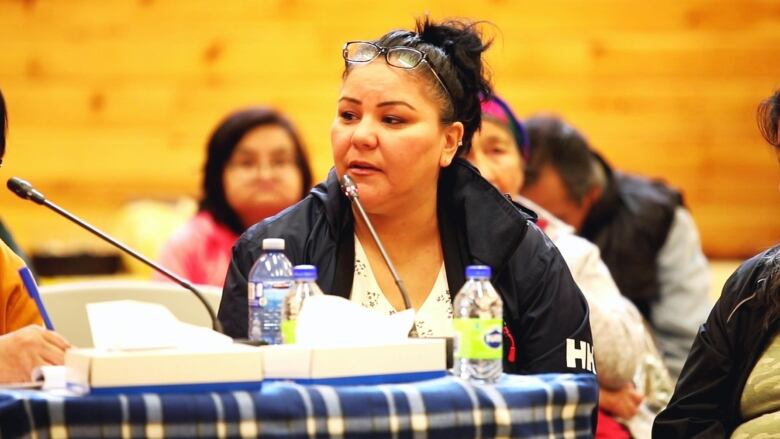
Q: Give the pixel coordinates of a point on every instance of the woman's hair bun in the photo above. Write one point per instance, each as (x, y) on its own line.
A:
(454, 51)
(462, 69)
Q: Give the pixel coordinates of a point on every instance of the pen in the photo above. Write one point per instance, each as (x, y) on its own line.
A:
(32, 290)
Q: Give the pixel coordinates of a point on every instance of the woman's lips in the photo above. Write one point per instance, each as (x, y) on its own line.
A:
(358, 168)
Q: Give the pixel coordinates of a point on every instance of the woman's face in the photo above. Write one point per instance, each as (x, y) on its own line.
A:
(495, 154)
(388, 138)
(261, 177)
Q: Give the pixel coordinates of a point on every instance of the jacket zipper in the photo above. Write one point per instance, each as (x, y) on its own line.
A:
(510, 356)
(738, 305)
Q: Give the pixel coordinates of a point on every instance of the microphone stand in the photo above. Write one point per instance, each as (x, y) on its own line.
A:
(396, 277)
(26, 191)
(351, 191)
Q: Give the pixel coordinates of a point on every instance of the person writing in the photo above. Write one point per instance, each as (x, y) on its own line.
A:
(24, 343)
(256, 166)
(728, 385)
(408, 107)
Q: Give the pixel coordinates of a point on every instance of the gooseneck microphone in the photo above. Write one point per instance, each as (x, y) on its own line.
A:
(26, 191)
(351, 191)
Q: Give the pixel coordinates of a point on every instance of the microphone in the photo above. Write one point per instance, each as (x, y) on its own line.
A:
(26, 191)
(351, 191)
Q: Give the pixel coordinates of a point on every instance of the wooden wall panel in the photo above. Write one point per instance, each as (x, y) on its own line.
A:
(113, 101)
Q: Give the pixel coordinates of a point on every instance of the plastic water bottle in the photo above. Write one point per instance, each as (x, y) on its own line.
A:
(477, 322)
(269, 282)
(304, 287)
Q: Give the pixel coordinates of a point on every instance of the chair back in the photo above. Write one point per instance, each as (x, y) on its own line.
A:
(66, 303)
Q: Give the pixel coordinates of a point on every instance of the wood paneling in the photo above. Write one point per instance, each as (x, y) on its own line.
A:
(112, 101)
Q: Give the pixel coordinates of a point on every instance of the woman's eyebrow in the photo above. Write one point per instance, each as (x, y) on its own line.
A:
(349, 99)
(391, 103)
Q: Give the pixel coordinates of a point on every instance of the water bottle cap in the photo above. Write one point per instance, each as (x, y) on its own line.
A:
(305, 272)
(273, 244)
(478, 271)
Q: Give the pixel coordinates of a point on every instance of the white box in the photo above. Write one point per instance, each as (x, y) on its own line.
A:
(227, 368)
(412, 360)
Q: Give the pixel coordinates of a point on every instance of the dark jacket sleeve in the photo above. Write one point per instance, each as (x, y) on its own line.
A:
(552, 324)
(698, 408)
(233, 308)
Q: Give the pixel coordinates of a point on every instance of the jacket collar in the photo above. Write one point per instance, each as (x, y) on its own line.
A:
(492, 224)
(478, 224)
(338, 212)
(338, 216)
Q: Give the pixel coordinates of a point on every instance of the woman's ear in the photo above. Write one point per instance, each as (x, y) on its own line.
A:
(453, 139)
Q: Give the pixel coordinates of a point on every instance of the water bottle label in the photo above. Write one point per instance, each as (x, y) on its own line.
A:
(273, 297)
(262, 299)
(288, 331)
(256, 295)
(478, 339)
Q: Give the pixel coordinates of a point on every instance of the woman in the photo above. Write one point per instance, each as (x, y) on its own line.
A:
(255, 167)
(728, 385)
(409, 104)
(500, 150)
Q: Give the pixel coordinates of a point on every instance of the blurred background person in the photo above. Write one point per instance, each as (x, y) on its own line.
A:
(625, 349)
(24, 343)
(256, 166)
(728, 386)
(5, 234)
(645, 234)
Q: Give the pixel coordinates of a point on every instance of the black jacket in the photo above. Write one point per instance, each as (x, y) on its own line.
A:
(706, 401)
(543, 307)
(629, 224)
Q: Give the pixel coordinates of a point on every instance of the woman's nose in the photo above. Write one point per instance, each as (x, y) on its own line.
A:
(265, 170)
(365, 134)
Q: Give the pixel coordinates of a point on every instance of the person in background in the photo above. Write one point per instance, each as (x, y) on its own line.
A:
(622, 343)
(5, 234)
(256, 166)
(646, 236)
(24, 343)
(408, 106)
(728, 386)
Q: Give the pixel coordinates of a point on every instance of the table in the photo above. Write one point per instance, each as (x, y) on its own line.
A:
(552, 405)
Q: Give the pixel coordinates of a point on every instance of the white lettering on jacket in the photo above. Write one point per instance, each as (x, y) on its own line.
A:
(583, 354)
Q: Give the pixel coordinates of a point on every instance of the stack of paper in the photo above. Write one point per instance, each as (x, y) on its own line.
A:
(141, 347)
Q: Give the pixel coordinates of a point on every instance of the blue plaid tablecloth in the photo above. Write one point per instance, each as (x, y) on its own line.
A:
(518, 406)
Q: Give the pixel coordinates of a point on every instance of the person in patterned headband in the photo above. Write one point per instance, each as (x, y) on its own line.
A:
(500, 147)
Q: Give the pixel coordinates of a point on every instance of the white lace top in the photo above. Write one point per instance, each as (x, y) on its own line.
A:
(433, 319)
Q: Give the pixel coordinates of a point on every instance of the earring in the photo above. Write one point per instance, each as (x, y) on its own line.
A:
(460, 143)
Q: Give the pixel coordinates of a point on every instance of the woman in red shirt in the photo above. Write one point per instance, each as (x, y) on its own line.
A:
(256, 167)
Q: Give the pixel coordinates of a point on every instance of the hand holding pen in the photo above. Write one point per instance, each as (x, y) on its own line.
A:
(26, 348)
